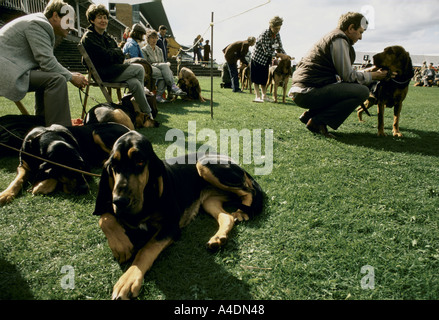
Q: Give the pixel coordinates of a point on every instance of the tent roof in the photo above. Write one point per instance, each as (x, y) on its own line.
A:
(154, 12)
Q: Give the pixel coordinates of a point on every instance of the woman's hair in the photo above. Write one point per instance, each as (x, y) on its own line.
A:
(355, 18)
(276, 22)
(94, 10)
(137, 32)
(152, 33)
(54, 6)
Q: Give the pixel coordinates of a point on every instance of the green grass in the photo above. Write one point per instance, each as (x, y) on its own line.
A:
(333, 206)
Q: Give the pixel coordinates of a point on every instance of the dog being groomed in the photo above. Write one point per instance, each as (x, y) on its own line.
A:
(390, 93)
(48, 155)
(279, 76)
(143, 202)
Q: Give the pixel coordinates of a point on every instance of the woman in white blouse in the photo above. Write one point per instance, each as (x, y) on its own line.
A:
(161, 70)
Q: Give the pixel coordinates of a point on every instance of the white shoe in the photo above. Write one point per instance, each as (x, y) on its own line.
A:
(267, 99)
(258, 100)
(160, 99)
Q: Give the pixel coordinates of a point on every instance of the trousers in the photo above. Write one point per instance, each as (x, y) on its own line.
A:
(332, 104)
(51, 97)
(163, 74)
(233, 69)
(134, 76)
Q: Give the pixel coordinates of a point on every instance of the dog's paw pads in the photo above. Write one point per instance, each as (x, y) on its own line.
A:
(216, 242)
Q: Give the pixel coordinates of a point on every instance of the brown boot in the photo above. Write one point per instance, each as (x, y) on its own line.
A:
(319, 129)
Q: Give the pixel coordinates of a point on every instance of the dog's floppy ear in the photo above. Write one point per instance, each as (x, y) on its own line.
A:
(104, 199)
(155, 165)
(408, 66)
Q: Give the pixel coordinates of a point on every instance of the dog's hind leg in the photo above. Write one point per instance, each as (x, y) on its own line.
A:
(381, 108)
(214, 206)
(15, 186)
(237, 182)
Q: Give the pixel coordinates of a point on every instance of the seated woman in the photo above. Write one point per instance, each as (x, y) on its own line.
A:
(108, 58)
(131, 48)
(160, 70)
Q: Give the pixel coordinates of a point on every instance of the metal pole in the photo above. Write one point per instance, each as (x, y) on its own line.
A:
(211, 69)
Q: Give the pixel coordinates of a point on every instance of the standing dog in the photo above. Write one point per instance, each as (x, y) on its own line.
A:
(279, 76)
(391, 93)
(188, 82)
(244, 76)
(143, 202)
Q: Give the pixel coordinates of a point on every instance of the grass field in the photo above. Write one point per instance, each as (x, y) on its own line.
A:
(351, 218)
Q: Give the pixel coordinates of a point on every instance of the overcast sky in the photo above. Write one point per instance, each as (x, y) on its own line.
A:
(411, 24)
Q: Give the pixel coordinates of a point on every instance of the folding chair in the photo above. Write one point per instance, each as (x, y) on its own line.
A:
(21, 107)
(95, 80)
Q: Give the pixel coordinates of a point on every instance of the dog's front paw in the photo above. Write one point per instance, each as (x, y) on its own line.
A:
(397, 134)
(382, 134)
(118, 241)
(128, 286)
(45, 187)
(6, 197)
(121, 247)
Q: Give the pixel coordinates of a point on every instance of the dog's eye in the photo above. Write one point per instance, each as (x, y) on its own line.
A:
(140, 164)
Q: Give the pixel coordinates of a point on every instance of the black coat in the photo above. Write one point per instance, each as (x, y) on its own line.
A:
(106, 56)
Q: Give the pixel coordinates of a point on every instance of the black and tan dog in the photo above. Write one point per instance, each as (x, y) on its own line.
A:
(127, 114)
(188, 82)
(390, 93)
(279, 76)
(143, 202)
(57, 149)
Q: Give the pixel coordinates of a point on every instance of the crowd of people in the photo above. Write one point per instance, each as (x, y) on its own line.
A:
(426, 76)
(325, 83)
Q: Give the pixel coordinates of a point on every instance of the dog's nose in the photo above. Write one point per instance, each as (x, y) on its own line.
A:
(121, 202)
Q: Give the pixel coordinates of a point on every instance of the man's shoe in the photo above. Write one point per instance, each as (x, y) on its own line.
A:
(304, 118)
(320, 129)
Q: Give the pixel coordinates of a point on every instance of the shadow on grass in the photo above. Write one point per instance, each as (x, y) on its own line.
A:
(187, 270)
(12, 284)
(413, 141)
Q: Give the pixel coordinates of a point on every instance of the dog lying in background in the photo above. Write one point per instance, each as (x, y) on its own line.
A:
(390, 93)
(79, 147)
(188, 82)
(279, 76)
(143, 202)
(125, 114)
